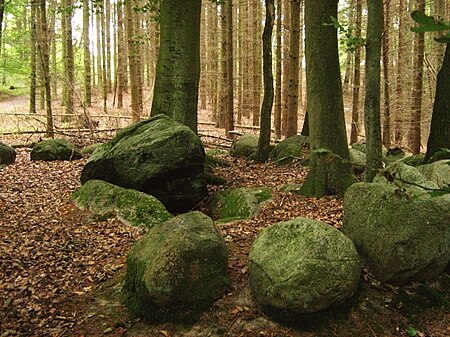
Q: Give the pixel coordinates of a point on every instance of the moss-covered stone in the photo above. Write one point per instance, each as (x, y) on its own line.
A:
(393, 155)
(404, 235)
(244, 146)
(239, 203)
(131, 206)
(303, 266)
(7, 154)
(403, 175)
(157, 156)
(358, 160)
(290, 148)
(414, 160)
(177, 269)
(90, 148)
(438, 172)
(55, 149)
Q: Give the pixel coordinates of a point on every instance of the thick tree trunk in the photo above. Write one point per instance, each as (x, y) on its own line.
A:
(372, 101)
(229, 119)
(277, 112)
(386, 77)
(330, 172)
(69, 67)
(262, 154)
(178, 67)
(356, 77)
(87, 93)
(439, 137)
(121, 57)
(33, 58)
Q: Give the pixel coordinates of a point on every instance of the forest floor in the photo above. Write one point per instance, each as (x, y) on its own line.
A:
(61, 269)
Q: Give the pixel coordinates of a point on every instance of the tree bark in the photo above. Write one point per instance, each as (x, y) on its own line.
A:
(386, 76)
(372, 101)
(356, 77)
(33, 58)
(178, 67)
(277, 112)
(229, 118)
(87, 92)
(330, 171)
(262, 153)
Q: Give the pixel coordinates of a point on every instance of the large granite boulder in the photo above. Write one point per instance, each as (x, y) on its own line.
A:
(402, 234)
(131, 206)
(157, 156)
(7, 154)
(303, 266)
(55, 149)
(177, 269)
(358, 160)
(290, 148)
(245, 145)
(239, 203)
(438, 172)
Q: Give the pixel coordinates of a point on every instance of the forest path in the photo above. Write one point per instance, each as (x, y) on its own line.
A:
(14, 104)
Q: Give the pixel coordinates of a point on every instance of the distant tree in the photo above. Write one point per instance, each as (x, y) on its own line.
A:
(386, 75)
(178, 67)
(278, 72)
(33, 58)
(356, 77)
(330, 171)
(262, 153)
(69, 66)
(87, 89)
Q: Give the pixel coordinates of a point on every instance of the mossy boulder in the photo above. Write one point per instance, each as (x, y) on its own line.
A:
(442, 154)
(239, 203)
(131, 206)
(55, 149)
(244, 146)
(177, 269)
(7, 154)
(290, 148)
(403, 235)
(358, 160)
(438, 172)
(90, 148)
(158, 156)
(414, 160)
(302, 266)
(393, 155)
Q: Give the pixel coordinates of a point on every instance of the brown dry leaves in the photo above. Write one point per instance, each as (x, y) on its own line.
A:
(50, 253)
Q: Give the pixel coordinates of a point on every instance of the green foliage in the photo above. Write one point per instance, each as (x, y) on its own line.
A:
(348, 38)
(411, 331)
(427, 23)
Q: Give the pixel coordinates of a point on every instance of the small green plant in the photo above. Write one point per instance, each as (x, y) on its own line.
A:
(411, 331)
(427, 23)
(349, 40)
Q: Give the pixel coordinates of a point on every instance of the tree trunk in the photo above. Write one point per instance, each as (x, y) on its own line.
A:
(372, 101)
(178, 67)
(262, 153)
(121, 57)
(223, 81)
(277, 113)
(69, 71)
(330, 172)
(416, 108)
(386, 76)
(87, 93)
(356, 77)
(33, 58)
(398, 129)
(229, 118)
(439, 137)
(292, 117)
(257, 56)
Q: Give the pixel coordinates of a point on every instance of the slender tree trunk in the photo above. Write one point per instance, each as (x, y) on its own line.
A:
(278, 63)
(121, 56)
(372, 101)
(69, 65)
(386, 75)
(286, 60)
(229, 119)
(2, 11)
(419, 48)
(257, 67)
(33, 58)
(223, 82)
(107, 33)
(356, 77)
(262, 154)
(87, 93)
(292, 122)
(398, 129)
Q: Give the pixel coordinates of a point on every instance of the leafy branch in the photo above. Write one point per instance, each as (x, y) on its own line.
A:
(427, 23)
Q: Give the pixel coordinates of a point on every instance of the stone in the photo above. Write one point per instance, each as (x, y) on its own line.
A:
(358, 160)
(158, 156)
(237, 204)
(177, 269)
(414, 160)
(131, 206)
(290, 148)
(7, 154)
(403, 175)
(438, 172)
(403, 235)
(244, 146)
(55, 149)
(303, 266)
(90, 148)
(393, 155)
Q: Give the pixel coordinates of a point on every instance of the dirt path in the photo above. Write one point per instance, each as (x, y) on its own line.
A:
(14, 104)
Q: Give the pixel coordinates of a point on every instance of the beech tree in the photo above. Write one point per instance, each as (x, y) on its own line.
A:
(330, 171)
(178, 66)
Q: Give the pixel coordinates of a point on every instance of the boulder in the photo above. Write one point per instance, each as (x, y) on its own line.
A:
(7, 154)
(403, 175)
(290, 148)
(414, 160)
(90, 148)
(131, 206)
(177, 269)
(440, 155)
(438, 172)
(393, 155)
(358, 160)
(244, 146)
(402, 235)
(157, 156)
(55, 149)
(238, 203)
(303, 266)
